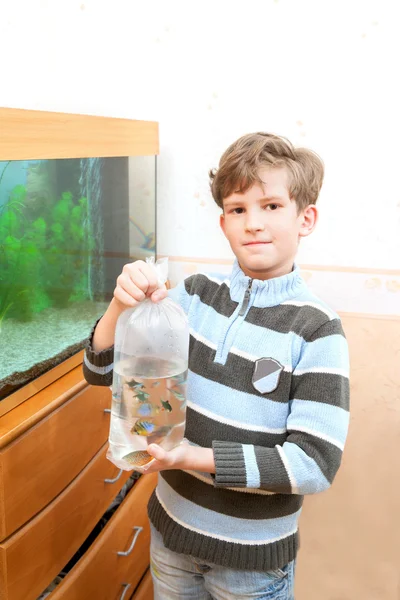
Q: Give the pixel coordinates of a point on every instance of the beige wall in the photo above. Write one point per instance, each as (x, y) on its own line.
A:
(350, 535)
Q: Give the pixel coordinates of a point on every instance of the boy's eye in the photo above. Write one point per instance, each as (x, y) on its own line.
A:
(238, 211)
(272, 206)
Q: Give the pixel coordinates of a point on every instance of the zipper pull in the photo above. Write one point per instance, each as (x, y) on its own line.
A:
(246, 299)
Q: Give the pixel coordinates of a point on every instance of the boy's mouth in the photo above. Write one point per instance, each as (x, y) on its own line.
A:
(255, 243)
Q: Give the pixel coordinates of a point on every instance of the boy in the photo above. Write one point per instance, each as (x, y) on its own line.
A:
(268, 390)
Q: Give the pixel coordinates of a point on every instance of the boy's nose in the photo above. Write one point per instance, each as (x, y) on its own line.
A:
(254, 224)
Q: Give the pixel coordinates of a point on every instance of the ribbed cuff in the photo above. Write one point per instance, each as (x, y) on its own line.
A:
(230, 468)
(104, 358)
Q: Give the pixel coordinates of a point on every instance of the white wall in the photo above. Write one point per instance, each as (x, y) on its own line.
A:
(323, 74)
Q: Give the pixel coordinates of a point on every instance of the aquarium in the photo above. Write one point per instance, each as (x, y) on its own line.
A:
(67, 227)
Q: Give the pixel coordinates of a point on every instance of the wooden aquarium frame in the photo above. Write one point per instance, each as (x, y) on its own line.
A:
(33, 135)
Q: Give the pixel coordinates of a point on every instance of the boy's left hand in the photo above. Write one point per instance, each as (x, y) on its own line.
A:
(172, 459)
(184, 456)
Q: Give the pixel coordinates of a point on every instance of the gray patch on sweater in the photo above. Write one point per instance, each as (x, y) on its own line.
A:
(266, 375)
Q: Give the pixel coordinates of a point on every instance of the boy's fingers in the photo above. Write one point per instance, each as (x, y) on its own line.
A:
(125, 283)
(159, 294)
(156, 452)
(142, 275)
(150, 274)
(137, 281)
(133, 273)
(124, 298)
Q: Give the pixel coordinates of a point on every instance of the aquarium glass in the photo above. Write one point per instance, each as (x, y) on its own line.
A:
(67, 227)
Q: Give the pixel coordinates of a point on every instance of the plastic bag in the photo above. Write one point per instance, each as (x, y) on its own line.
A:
(149, 380)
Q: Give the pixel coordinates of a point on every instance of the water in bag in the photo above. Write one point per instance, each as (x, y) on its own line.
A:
(149, 382)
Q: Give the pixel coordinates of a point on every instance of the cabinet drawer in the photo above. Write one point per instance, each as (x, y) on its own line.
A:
(103, 574)
(34, 555)
(39, 464)
(145, 590)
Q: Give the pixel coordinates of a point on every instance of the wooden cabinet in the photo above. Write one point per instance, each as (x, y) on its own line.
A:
(145, 589)
(39, 464)
(55, 485)
(119, 556)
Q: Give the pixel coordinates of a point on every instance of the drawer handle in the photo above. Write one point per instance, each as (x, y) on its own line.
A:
(126, 587)
(115, 478)
(107, 410)
(135, 537)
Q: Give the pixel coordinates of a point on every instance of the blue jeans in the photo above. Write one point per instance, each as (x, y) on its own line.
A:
(182, 577)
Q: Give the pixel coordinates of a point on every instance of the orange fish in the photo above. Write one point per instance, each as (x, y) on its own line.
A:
(138, 458)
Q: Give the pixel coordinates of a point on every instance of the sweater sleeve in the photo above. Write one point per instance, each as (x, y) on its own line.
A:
(98, 366)
(317, 425)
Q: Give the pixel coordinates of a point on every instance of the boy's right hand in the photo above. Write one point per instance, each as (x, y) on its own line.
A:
(137, 282)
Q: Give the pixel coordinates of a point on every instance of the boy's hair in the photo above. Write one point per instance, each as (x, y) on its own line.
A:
(240, 164)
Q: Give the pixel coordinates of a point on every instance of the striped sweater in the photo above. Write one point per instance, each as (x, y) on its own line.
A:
(268, 390)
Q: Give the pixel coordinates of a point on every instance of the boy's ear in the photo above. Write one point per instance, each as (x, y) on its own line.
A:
(222, 222)
(309, 218)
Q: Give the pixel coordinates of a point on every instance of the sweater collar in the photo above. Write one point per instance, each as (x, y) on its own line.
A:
(269, 292)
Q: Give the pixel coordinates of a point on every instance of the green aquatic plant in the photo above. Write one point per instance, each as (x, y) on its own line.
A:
(14, 294)
(68, 250)
(33, 264)
(13, 208)
(5, 307)
(43, 262)
(19, 261)
(59, 271)
(6, 301)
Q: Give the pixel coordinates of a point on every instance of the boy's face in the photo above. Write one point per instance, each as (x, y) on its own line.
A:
(264, 227)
